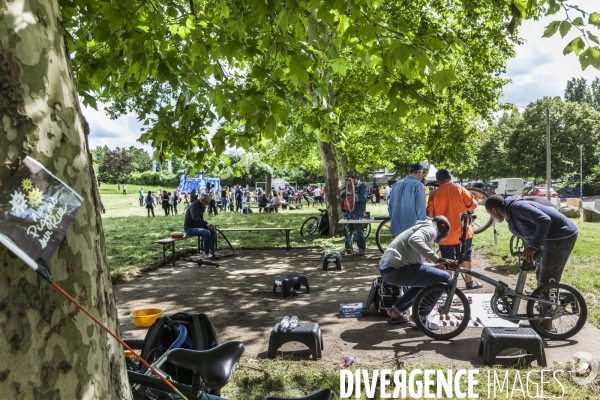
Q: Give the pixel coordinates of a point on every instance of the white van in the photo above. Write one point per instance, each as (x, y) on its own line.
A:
(510, 187)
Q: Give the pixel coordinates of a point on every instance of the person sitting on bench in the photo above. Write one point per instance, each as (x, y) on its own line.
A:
(275, 203)
(195, 225)
(262, 202)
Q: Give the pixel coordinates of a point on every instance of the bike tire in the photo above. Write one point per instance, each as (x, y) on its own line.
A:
(444, 332)
(367, 230)
(564, 294)
(516, 245)
(382, 235)
(310, 226)
(481, 197)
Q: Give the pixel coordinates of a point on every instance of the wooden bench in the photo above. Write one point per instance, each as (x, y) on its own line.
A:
(170, 243)
(286, 231)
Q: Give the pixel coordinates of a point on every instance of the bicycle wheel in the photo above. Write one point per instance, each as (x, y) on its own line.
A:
(436, 325)
(309, 226)
(571, 319)
(516, 245)
(483, 220)
(367, 230)
(383, 237)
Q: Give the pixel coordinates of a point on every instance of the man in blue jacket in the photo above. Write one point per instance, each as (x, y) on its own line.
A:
(195, 225)
(354, 208)
(406, 204)
(541, 228)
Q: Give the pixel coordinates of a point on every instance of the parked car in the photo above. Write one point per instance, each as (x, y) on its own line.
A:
(541, 191)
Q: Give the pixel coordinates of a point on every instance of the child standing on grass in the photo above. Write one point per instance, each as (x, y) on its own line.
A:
(150, 204)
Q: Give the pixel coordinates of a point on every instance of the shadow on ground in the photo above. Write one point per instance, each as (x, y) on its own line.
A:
(238, 298)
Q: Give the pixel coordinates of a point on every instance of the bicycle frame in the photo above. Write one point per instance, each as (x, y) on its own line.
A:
(502, 288)
(151, 382)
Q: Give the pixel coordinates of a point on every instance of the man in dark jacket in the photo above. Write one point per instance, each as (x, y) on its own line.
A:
(541, 228)
(195, 225)
(355, 205)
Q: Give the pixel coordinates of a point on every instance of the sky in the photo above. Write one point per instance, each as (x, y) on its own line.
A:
(539, 69)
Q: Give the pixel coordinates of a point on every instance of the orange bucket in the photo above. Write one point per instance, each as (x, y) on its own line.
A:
(146, 316)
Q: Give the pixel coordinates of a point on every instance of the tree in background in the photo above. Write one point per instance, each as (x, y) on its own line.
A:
(98, 155)
(140, 159)
(492, 156)
(577, 91)
(571, 125)
(595, 94)
(116, 165)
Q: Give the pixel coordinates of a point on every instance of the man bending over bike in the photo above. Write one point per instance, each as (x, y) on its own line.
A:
(541, 228)
(402, 265)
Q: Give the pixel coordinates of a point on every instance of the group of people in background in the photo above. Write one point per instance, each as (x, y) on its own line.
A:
(168, 201)
(229, 198)
(380, 194)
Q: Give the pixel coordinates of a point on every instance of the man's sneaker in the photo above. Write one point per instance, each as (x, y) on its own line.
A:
(474, 285)
(428, 325)
(431, 326)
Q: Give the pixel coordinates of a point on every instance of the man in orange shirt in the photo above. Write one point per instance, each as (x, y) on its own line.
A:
(450, 201)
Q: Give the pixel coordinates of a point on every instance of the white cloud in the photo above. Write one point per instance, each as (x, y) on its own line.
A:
(540, 68)
(122, 132)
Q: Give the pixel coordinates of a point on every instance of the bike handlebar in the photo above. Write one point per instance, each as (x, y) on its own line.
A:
(538, 254)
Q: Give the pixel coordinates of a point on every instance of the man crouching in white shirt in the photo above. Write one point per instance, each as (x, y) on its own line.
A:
(402, 264)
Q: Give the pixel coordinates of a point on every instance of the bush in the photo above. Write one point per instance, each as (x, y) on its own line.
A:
(591, 188)
(147, 178)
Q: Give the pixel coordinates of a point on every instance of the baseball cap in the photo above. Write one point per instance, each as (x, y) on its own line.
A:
(415, 167)
(442, 174)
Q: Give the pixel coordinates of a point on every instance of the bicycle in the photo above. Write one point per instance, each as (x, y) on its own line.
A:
(311, 225)
(212, 369)
(449, 316)
(383, 237)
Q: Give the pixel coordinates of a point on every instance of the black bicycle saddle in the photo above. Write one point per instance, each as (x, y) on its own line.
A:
(323, 394)
(215, 366)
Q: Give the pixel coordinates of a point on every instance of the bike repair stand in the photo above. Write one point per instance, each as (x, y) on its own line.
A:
(202, 262)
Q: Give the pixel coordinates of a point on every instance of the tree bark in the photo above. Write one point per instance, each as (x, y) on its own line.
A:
(48, 349)
(332, 185)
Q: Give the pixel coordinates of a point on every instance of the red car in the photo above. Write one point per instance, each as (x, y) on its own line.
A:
(541, 191)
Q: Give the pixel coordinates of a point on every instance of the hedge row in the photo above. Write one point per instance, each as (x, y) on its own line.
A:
(149, 178)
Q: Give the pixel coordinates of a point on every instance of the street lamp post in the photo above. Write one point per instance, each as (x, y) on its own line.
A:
(548, 166)
(581, 174)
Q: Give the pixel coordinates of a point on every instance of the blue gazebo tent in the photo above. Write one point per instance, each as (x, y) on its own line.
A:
(186, 184)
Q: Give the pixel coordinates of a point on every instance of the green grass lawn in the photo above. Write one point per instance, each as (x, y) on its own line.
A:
(130, 234)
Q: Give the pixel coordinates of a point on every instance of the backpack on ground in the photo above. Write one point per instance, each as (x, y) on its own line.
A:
(166, 332)
(247, 210)
(383, 296)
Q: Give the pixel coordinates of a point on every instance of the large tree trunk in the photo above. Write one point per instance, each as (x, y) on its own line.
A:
(50, 350)
(332, 185)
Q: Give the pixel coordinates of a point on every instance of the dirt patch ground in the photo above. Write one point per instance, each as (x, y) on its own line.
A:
(238, 298)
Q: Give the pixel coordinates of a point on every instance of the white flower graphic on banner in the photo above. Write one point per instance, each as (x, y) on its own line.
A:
(18, 202)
